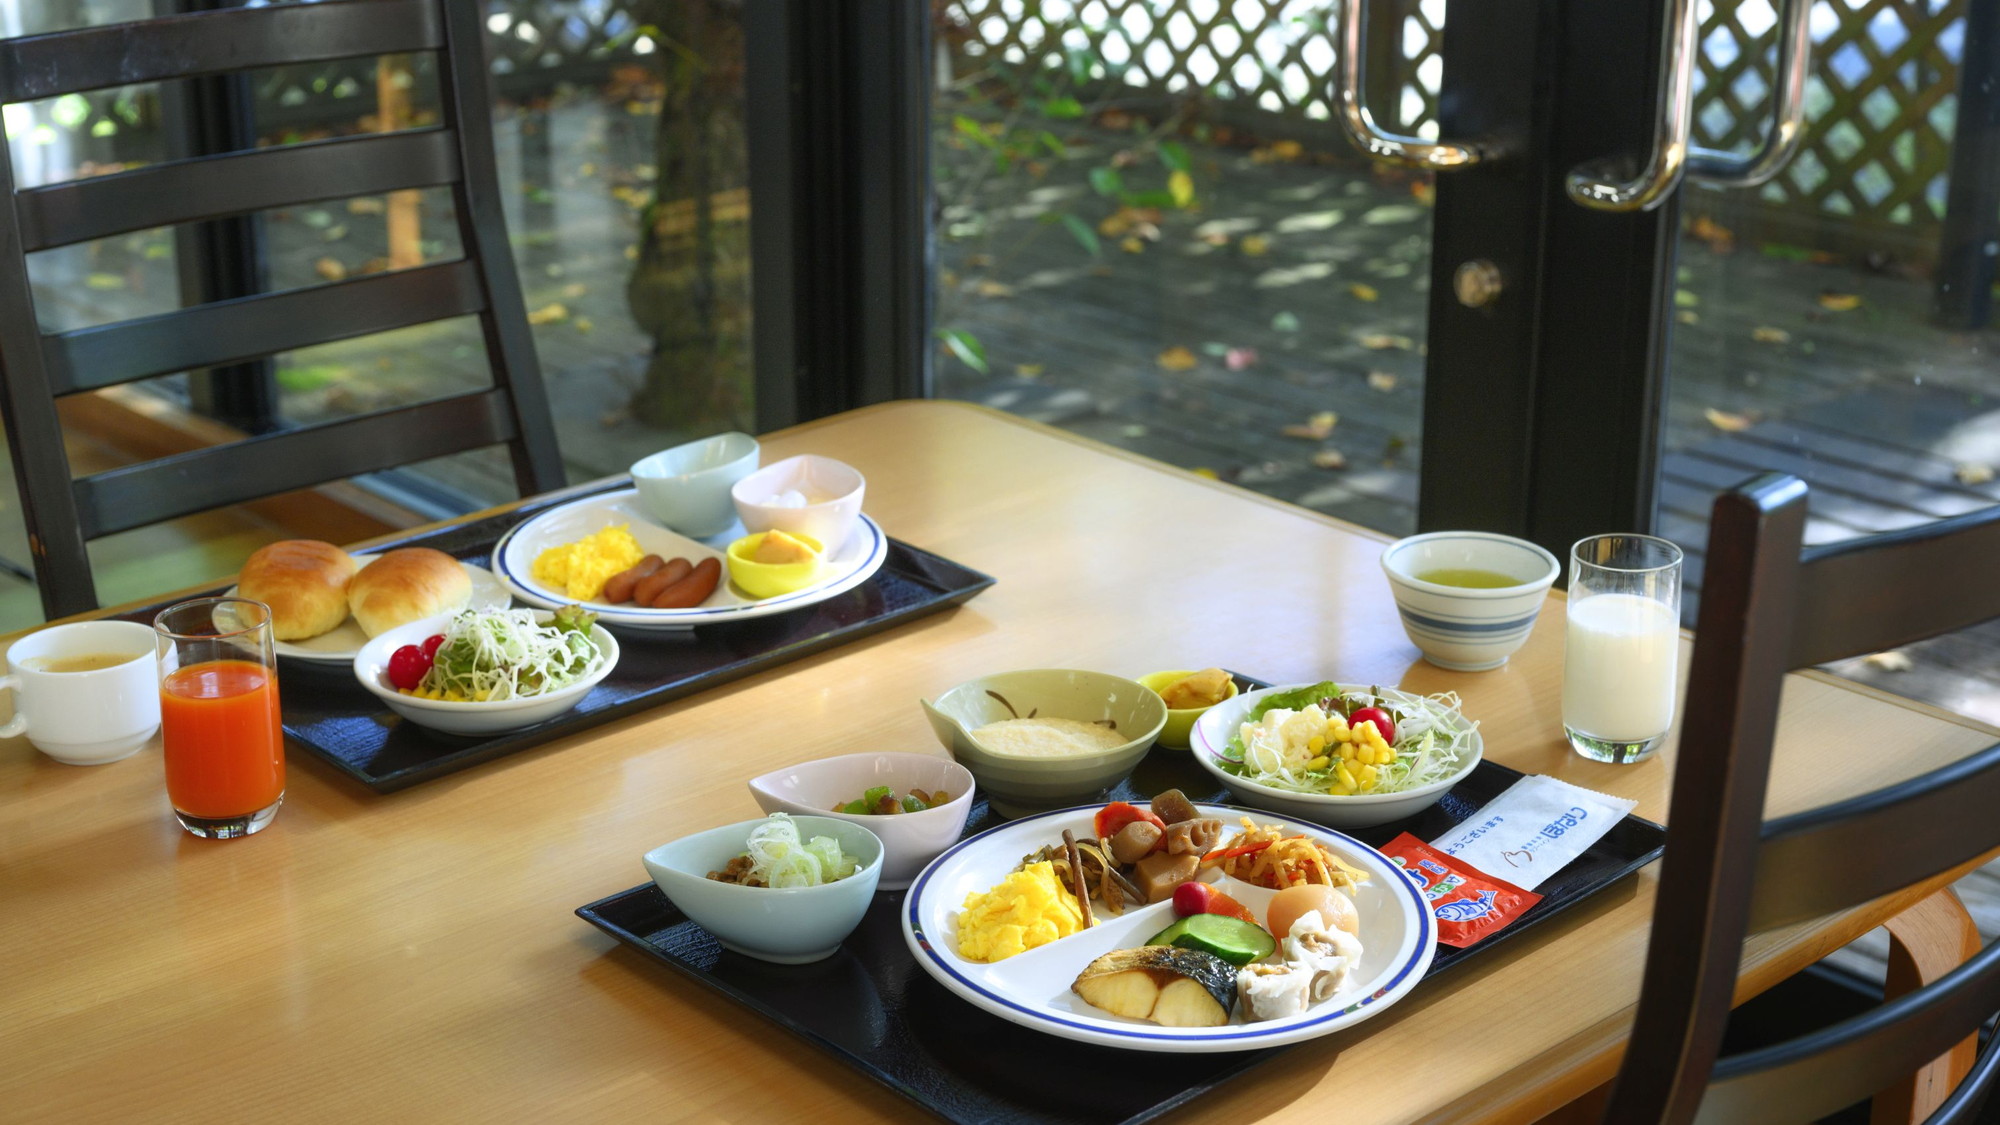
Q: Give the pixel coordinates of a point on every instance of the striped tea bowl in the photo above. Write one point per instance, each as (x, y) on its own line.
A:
(1463, 628)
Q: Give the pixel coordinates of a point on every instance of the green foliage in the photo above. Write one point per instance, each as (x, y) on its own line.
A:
(1085, 236)
(966, 347)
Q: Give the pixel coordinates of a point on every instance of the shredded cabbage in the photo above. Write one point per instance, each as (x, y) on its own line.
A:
(779, 859)
(1432, 737)
(497, 654)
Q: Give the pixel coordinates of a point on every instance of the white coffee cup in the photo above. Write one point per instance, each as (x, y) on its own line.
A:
(84, 718)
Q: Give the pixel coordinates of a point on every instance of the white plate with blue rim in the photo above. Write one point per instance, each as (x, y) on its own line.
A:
(1398, 939)
(514, 562)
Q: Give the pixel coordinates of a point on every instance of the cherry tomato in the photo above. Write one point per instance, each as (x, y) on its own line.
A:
(407, 666)
(1192, 898)
(431, 646)
(1118, 814)
(1384, 725)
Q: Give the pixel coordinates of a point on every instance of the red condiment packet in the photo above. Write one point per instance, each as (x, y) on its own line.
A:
(1469, 903)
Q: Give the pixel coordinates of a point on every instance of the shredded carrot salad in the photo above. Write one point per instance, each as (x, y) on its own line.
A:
(1267, 856)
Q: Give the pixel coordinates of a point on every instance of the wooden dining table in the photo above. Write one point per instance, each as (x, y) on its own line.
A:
(415, 956)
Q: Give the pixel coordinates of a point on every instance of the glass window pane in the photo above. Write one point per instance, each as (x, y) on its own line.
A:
(1151, 233)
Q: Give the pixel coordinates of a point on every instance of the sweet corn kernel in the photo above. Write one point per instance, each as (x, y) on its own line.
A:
(1346, 775)
(1367, 778)
(1345, 734)
(1342, 789)
(1347, 751)
(1316, 743)
(1318, 763)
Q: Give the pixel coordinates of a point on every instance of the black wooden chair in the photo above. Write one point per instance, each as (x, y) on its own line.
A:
(64, 514)
(1767, 607)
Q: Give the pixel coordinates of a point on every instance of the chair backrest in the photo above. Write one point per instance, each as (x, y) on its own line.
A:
(36, 368)
(1769, 606)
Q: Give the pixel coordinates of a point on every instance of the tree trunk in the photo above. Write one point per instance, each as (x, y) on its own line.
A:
(690, 287)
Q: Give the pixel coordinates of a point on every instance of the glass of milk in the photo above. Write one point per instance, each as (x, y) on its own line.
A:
(1621, 659)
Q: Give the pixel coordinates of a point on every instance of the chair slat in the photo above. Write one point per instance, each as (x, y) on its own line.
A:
(249, 327)
(43, 66)
(1836, 856)
(1871, 594)
(184, 191)
(1814, 1075)
(264, 466)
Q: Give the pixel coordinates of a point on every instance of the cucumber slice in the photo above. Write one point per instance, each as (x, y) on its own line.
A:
(1232, 939)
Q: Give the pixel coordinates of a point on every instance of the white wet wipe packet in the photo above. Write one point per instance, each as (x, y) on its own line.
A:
(1533, 829)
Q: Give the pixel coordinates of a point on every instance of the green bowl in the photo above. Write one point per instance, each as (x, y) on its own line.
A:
(1180, 722)
(1015, 785)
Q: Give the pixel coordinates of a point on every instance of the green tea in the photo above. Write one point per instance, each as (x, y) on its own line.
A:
(1469, 577)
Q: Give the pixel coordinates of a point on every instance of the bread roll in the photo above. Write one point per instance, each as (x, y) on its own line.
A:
(304, 581)
(405, 585)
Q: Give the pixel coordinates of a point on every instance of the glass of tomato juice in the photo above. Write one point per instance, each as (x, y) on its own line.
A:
(225, 749)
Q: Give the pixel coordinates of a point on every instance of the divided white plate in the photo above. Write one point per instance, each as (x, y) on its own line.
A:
(514, 561)
(1398, 940)
(343, 643)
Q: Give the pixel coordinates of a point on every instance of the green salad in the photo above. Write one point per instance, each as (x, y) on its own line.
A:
(1329, 741)
(498, 654)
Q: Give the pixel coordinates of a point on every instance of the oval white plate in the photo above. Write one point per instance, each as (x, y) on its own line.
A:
(1398, 940)
(343, 642)
(514, 560)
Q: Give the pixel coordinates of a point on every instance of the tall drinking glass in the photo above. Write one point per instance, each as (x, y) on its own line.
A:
(225, 749)
(1621, 659)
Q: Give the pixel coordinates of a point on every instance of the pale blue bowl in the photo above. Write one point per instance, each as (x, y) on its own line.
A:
(687, 487)
(786, 925)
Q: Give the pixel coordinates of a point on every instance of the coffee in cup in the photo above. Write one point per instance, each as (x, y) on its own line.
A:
(84, 693)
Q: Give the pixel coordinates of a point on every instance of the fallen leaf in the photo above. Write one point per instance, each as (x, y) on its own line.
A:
(1316, 428)
(105, 281)
(553, 313)
(1381, 341)
(631, 253)
(989, 288)
(1381, 381)
(1364, 292)
(1254, 245)
(1839, 302)
(1204, 472)
(1134, 431)
(1894, 660)
(330, 269)
(1028, 370)
(1726, 422)
(1285, 322)
(1688, 316)
(574, 290)
(1215, 238)
(1424, 192)
(1392, 213)
(1719, 238)
(366, 205)
(1132, 244)
(1329, 459)
(1180, 185)
(1970, 474)
(1236, 359)
(583, 324)
(1176, 359)
(1685, 299)
(335, 233)
(1142, 221)
(1765, 334)
(1278, 152)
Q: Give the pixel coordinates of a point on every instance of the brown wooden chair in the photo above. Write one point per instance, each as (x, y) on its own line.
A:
(64, 514)
(1767, 607)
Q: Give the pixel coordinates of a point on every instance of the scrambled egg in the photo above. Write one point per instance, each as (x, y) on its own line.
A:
(581, 569)
(1026, 909)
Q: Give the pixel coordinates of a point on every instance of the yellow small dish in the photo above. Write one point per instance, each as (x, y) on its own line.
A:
(768, 580)
(1180, 723)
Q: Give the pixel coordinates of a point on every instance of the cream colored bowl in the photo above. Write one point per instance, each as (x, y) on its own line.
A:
(1016, 785)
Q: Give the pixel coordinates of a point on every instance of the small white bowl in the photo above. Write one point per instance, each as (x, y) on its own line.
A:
(1016, 785)
(371, 667)
(909, 840)
(687, 487)
(1214, 730)
(787, 925)
(829, 519)
(1460, 628)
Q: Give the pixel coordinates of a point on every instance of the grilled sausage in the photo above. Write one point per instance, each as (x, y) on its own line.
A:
(618, 588)
(650, 587)
(692, 590)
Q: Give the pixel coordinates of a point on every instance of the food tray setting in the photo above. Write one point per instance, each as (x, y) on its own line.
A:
(874, 1007)
(328, 713)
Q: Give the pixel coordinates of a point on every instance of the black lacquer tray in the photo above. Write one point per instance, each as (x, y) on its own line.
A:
(875, 1009)
(327, 713)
